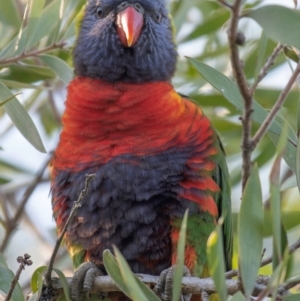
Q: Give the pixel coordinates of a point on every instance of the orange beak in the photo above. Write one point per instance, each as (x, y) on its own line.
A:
(129, 26)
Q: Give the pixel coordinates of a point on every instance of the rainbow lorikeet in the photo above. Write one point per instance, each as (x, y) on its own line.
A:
(154, 153)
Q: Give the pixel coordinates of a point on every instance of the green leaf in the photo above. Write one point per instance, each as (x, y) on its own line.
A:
(279, 274)
(6, 278)
(63, 282)
(216, 262)
(150, 295)
(293, 270)
(21, 119)
(231, 92)
(279, 239)
(40, 284)
(295, 297)
(250, 231)
(135, 293)
(290, 151)
(180, 259)
(7, 100)
(111, 266)
(45, 24)
(280, 23)
(61, 69)
(3, 261)
(211, 24)
(34, 281)
(238, 297)
(298, 164)
(291, 54)
(113, 270)
(9, 12)
(18, 85)
(35, 11)
(21, 39)
(11, 49)
(262, 47)
(27, 73)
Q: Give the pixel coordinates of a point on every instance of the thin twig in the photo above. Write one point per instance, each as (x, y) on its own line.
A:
(225, 3)
(264, 70)
(23, 261)
(263, 294)
(243, 87)
(12, 223)
(272, 114)
(76, 205)
(292, 248)
(32, 53)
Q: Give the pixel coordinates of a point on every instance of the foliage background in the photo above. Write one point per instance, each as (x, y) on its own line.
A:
(201, 33)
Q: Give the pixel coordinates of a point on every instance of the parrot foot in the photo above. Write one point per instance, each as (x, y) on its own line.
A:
(83, 281)
(164, 285)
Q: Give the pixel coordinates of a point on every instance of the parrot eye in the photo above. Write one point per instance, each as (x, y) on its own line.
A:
(158, 16)
(99, 12)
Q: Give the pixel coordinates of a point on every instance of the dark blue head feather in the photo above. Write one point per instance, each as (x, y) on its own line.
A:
(100, 54)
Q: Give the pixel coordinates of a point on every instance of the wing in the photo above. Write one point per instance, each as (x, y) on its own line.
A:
(223, 200)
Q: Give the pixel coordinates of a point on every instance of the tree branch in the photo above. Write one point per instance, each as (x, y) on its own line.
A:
(264, 70)
(11, 223)
(292, 248)
(243, 87)
(226, 4)
(32, 53)
(272, 114)
(190, 285)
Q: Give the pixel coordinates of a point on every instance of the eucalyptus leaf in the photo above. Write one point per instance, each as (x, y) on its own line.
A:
(238, 297)
(216, 262)
(180, 259)
(295, 297)
(64, 283)
(135, 293)
(6, 278)
(35, 11)
(279, 22)
(9, 11)
(45, 24)
(62, 70)
(231, 92)
(113, 270)
(8, 99)
(21, 118)
(250, 232)
(34, 281)
(3, 261)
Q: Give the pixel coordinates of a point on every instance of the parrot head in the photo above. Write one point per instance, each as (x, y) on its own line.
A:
(128, 41)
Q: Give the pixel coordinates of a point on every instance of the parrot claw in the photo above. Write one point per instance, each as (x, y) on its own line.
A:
(164, 285)
(83, 281)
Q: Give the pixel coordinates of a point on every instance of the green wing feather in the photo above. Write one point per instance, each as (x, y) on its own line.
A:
(223, 200)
